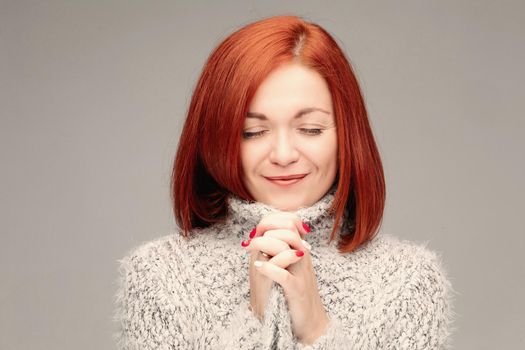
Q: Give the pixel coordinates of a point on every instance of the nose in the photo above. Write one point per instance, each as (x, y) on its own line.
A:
(283, 151)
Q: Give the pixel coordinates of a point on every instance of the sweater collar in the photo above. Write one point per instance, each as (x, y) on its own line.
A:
(245, 215)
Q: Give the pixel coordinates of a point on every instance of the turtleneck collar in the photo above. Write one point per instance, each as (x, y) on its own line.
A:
(247, 214)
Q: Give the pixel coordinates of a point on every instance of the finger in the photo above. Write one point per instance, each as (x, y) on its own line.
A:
(291, 237)
(258, 255)
(254, 232)
(305, 227)
(273, 272)
(269, 245)
(286, 258)
(262, 255)
(284, 220)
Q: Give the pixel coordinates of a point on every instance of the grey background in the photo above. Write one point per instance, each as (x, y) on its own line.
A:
(93, 95)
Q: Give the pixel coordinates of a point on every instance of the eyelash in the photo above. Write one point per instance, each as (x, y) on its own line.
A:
(311, 132)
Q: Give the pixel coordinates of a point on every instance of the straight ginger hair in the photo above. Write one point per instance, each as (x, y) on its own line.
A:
(207, 166)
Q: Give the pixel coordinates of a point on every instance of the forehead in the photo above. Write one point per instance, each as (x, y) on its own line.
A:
(289, 88)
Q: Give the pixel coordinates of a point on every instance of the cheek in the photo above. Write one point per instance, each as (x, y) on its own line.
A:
(245, 160)
(250, 157)
(322, 153)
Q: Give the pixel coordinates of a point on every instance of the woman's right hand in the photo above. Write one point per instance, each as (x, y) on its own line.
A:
(278, 235)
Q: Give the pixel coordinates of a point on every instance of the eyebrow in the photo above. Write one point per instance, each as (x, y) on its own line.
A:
(298, 115)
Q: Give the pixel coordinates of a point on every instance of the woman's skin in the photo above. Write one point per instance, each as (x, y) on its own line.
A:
(277, 143)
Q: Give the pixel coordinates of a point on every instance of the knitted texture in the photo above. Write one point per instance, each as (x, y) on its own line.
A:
(178, 293)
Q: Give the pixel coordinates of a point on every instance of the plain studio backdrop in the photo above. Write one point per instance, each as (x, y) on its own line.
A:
(93, 95)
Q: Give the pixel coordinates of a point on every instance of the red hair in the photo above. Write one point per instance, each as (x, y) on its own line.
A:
(207, 165)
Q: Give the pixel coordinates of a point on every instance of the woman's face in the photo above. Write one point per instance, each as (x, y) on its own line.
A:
(290, 130)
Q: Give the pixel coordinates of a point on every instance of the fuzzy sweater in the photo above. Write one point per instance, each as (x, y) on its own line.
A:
(177, 293)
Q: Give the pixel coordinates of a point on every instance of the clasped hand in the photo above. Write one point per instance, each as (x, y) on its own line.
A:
(288, 262)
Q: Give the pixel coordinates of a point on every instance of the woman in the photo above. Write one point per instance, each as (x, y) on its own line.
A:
(279, 192)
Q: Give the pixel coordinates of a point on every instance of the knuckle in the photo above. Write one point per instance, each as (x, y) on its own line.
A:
(277, 261)
(270, 233)
(284, 246)
(290, 224)
(275, 234)
(255, 242)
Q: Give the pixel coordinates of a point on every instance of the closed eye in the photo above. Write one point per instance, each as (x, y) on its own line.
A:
(312, 131)
(249, 135)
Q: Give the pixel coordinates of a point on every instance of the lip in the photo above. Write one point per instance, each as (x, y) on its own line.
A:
(286, 181)
(286, 177)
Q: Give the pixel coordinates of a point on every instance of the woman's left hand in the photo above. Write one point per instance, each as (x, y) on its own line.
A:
(309, 318)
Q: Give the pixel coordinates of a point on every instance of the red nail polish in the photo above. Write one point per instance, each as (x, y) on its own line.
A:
(253, 233)
(245, 243)
(299, 253)
(306, 227)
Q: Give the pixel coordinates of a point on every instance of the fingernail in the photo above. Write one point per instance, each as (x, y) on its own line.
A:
(253, 233)
(245, 243)
(306, 227)
(305, 243)
(257, 263)
(299, 253)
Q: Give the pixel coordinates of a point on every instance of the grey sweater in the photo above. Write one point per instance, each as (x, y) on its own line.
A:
(177, 293)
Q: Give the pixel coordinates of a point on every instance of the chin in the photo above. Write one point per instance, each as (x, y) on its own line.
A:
(287, 205)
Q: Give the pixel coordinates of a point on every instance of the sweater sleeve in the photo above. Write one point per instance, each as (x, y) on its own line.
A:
(247, 331)
(150, 316)
(423, 314)
(243, 332)
(334, 338)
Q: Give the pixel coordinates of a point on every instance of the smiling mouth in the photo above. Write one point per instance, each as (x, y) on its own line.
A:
(286, 181)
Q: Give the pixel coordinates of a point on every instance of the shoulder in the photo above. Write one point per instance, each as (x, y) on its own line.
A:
(152, 272)
(172, 251)
(410, 268)
(153, 247)
(153, 255)
(428, 263)
(421, 296)
(150, 284)
(410, 256)
(423, 283)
